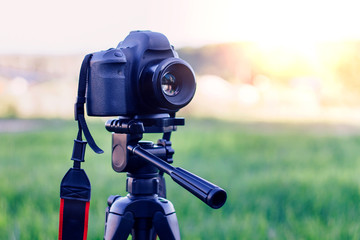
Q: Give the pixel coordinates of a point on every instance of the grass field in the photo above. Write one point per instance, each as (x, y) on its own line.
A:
(284, 181)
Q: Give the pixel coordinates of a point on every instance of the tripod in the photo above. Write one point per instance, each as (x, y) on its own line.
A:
(145, 212)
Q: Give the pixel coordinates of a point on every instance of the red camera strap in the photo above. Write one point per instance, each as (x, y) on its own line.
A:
(74, 205)
(75, 188)
(66, 231)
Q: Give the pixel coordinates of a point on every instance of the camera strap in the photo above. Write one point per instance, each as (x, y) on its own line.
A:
(80, 101)
(75, 192)
(75, 188)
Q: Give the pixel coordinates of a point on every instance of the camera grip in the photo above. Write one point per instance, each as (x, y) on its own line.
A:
(206, 191)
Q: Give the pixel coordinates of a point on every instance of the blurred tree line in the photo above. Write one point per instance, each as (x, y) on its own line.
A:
(230, 61)
(337, 62)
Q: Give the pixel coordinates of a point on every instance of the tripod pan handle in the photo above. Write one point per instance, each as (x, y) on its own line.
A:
(206, 191)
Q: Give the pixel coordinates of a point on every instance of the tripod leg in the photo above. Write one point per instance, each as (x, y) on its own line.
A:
(166, 226)
(119, 227)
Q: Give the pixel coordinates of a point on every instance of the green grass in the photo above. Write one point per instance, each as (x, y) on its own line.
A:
(283, 181)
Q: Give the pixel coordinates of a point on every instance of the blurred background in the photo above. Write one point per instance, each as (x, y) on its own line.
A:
(278, 102)
(262, 59)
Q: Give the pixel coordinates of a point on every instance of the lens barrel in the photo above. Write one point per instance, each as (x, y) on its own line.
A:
(169, 84)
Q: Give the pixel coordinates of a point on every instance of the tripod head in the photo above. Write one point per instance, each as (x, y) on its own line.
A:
(136, 157)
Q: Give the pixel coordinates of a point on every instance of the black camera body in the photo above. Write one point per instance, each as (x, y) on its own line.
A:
(143, 75)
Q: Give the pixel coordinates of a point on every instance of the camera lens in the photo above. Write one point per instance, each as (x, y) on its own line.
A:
(169, 85)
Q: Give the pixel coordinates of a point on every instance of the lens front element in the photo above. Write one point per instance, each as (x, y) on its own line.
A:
(169, 85)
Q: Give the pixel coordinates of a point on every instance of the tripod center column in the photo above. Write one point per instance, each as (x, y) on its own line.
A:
(142, 186)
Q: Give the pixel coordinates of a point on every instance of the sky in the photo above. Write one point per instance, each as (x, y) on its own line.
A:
(82, 26)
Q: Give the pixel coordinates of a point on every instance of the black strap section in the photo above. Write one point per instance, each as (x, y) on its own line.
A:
(80, 102)
(88, 136)
(75, 185)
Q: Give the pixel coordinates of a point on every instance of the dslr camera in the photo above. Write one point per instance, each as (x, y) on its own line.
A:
(143, 75)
